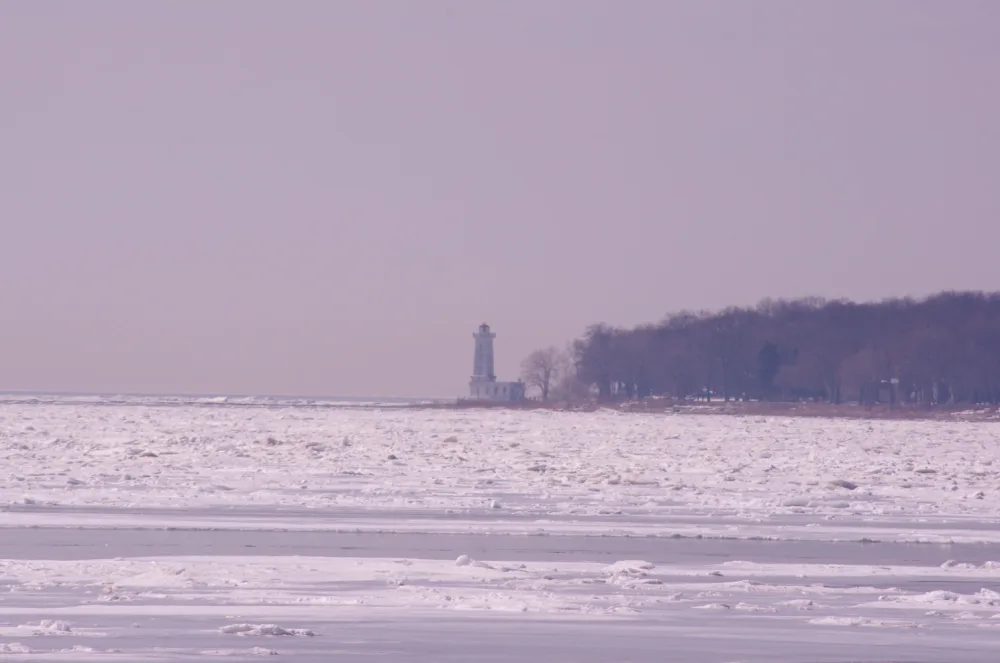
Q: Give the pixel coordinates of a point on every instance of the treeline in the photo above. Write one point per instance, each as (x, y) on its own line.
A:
(943, 349)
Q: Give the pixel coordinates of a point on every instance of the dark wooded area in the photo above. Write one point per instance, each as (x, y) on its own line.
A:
(943, 349)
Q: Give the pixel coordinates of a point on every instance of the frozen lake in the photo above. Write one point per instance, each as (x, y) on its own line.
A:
(133, 532)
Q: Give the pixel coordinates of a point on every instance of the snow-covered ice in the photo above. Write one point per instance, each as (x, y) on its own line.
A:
(162, 530)
(931, 479)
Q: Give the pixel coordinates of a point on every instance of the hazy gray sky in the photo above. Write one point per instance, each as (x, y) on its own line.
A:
(327, 197)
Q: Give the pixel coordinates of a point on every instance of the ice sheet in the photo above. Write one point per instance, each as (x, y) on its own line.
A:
(510, 471)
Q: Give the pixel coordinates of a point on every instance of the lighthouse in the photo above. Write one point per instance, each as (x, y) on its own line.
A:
(482, 362)
(483, 386)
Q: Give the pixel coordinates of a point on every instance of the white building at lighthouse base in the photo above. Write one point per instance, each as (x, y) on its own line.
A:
(498, 392)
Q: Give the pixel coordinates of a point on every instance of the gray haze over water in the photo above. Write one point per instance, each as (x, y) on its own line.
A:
(321, 197)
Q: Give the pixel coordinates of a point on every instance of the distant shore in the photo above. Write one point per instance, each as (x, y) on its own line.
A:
(898, 411)
(666, 406)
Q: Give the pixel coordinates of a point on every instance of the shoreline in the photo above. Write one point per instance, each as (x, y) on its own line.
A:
(878, 412)
(665, 406)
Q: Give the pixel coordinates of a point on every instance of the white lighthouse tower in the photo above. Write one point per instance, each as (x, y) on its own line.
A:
(484, 386)
(482, 362)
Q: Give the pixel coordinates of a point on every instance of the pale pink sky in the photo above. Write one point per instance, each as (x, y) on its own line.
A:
(326, 197)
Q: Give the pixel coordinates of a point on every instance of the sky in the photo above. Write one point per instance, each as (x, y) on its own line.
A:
(327, 198)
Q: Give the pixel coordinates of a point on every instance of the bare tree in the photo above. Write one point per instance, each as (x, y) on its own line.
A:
(542, 368)
(570, 389)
